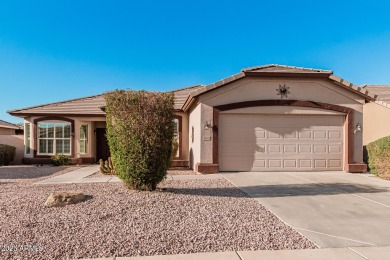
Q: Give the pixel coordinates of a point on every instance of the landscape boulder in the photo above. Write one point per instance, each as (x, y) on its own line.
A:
(60, 199)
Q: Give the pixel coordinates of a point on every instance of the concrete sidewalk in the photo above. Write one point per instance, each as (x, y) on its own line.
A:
(79, 176)
(349, 253)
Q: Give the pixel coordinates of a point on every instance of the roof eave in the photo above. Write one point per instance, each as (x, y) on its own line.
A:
(352, 87)
(10, 127)
(188, 103)
(53, 103)
(217, 84)
(287, 74)
(22, 115)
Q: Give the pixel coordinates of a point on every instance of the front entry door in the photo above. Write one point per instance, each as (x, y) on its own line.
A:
(102, 149)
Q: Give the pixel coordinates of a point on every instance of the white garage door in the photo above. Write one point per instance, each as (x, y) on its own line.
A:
(280, 142)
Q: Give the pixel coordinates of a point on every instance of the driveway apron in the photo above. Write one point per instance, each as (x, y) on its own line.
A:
(333, 209)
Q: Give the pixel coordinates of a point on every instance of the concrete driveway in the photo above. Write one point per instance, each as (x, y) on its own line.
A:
(333, 209)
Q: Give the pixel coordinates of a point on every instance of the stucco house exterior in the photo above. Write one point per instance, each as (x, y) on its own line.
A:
(265, 118)
(8, 128)
(12, 134)
(376, 115)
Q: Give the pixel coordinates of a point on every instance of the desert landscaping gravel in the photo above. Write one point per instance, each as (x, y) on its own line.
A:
(188, 216)
(181, 172)
(170, 172)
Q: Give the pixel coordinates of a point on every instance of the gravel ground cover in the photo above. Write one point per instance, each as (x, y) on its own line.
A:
(170, 172)
(182, 171)
(27, 174)
(181, 217)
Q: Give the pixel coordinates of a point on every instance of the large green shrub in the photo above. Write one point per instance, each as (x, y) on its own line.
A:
(7, 154)
(379, 157)
(140, 132)
(60, 160)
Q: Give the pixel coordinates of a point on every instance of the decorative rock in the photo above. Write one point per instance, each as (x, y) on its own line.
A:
(60, 199)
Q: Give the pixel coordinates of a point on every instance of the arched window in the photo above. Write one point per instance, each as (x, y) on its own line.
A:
(54, 137)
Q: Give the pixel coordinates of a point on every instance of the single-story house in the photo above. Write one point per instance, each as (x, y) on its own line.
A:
(376, 115)
(265, 118)
(9, 129)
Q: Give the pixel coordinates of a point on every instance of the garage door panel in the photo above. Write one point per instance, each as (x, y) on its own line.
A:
(305, 134)
(280, 142)
(290, 148)
(275, 163)
(305, 148)
(335, 163)
(335, 148)
(320, 148)
(290, 163)
(305, 164)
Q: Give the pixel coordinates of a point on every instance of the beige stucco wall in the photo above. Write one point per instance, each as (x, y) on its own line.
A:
(7, 131)
(250, 89)
(92, 123)
(184, 135)
(16, 141)
(195, 141)
(281, 110)
(376, 122)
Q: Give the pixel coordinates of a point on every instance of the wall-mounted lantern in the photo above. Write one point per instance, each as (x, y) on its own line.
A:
(207, 125)
(358, 128)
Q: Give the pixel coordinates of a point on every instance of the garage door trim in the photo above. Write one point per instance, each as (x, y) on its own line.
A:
(348, 153)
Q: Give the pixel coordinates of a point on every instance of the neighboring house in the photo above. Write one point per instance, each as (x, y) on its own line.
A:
(8, 128)
(12, 134)
(266, 118)
(377, 114)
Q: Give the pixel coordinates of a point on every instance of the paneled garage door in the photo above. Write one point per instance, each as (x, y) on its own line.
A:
(280, 142)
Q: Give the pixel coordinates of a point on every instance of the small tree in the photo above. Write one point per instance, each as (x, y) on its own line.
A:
(139, 133)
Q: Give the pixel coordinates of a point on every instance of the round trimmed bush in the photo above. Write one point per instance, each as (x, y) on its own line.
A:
(140, 133)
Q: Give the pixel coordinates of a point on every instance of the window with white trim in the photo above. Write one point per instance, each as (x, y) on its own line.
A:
(83, 138)
(176, 134)
(27, 138)
(54, 138)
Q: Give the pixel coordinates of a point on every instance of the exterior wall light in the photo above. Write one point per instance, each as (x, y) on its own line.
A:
(207, 125)
(358, 128)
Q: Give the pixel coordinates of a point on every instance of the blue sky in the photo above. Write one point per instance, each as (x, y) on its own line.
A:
(56, 50)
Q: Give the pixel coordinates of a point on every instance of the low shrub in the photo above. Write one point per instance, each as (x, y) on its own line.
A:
(60, 160)
(140, 133)
(7, 154)
(379, 157)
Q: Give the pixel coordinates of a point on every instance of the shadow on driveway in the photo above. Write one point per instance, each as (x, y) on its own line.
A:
(309, 189)
(280, 190)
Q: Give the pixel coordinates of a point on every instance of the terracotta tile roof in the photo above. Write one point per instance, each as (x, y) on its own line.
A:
(5, 124)
(382, 92)
(275, 68)
(88, 105)
(182, 94)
